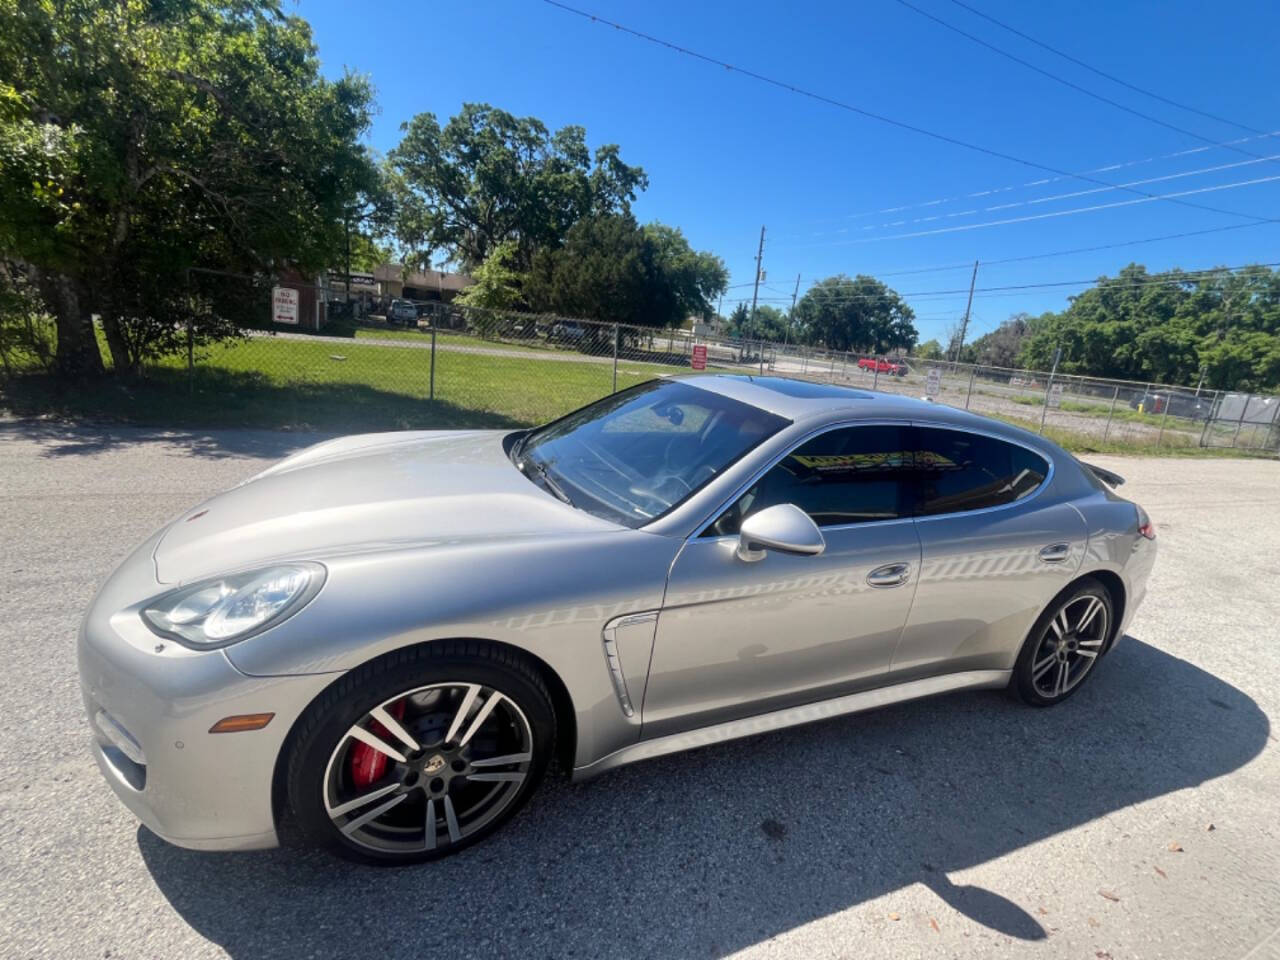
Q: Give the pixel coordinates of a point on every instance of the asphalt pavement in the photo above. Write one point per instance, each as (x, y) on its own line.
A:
(1139, 819)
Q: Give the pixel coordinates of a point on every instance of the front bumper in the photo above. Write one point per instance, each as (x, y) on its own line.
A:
(150, 704)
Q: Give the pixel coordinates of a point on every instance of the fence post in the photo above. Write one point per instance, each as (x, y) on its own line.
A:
(615, 358)
(972, 373)
(1208, 421)
(191, 360)
(1168, 396)
(875, 377)
(1111, 413)
(844, 366)
(761, 345)
(1239, 423)
(431, 395)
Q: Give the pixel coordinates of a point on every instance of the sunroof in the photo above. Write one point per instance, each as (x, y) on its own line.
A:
(804, 390)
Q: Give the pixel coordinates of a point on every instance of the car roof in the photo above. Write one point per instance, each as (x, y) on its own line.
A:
(806, 401)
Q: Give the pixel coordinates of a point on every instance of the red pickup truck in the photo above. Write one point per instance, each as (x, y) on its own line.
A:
(880, 365)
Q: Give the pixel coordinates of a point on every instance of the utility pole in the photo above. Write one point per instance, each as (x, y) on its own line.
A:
(964, 326)
(791, 317)
(756, 289)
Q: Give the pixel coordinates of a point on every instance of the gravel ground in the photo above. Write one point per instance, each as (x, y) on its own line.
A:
(1137, 820)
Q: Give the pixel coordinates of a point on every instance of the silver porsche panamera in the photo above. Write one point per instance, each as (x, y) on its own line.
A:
(388, 637)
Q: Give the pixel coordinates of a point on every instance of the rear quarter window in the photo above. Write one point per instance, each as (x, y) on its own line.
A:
(959, 471)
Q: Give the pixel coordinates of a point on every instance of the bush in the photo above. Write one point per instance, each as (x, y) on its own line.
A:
(28, 338)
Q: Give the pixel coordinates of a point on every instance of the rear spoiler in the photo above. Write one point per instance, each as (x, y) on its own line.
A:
(1106, 476)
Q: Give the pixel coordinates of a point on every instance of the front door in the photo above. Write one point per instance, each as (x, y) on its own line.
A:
(738, 638)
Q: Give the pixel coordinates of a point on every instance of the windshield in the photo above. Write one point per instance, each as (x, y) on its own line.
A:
(635, 455)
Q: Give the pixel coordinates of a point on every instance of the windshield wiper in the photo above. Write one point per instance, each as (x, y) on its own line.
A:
(519, 446)
(547, 480)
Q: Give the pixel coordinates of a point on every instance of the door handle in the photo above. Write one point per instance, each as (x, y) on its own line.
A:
(890, 575)
(1055, 552)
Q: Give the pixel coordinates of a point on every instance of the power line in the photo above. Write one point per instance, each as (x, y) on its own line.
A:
(1043, 181)
(851, 108)
(1063, 80)
(1049, 199)
(1074, 250)
(1102, 73)
(1184, 277)
(1055, 213)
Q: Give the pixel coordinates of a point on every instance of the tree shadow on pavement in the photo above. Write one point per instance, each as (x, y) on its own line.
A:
(74, 440)
(218, 398)
(709, 852)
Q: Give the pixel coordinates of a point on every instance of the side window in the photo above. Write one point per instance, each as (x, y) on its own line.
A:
(851, 475)
(960, 471)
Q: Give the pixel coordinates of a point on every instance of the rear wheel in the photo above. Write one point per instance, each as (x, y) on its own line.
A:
(1064, 646)
(421, 756)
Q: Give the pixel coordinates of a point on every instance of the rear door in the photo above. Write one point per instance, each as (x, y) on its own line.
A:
(736, 638)
(995, 548)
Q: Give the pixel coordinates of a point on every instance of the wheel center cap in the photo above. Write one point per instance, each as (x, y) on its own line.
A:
(433, 765)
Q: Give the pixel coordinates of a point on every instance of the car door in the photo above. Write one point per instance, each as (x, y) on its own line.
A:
(995, 548)
(737, 638)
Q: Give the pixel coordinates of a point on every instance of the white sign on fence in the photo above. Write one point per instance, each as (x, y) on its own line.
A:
(284, 305)
(933, 383)
(1055, 395)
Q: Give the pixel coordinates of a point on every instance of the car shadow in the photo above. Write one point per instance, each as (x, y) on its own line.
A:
(708, 852)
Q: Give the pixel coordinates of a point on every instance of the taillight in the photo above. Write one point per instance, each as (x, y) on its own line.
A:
(1145, 526)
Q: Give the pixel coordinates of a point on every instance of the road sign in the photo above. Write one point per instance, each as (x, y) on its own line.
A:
(284, 305)
(700, 356)
(1055, 395)
(933, 383)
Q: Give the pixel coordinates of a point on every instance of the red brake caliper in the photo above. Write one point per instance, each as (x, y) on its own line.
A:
(366, 764)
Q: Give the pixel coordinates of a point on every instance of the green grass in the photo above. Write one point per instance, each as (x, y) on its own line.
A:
(347, 386)
(1173, 445)
(444, 339)
(324, 385)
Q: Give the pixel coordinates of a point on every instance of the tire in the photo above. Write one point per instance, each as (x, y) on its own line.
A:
(483, 725)
(1063, 648)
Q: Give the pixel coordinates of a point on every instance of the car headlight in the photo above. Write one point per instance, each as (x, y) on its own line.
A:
(214, 613)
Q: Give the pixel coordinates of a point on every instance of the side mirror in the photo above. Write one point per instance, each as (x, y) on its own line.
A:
(785, 528)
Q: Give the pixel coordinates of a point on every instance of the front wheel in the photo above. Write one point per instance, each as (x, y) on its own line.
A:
(1064, 645)
(420, 754)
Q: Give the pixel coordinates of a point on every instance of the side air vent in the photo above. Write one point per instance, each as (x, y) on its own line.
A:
(628, 642)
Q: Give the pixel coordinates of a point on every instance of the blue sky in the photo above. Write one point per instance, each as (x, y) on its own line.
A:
(726, 154)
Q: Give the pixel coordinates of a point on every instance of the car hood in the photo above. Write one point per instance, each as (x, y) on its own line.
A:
(367, 492)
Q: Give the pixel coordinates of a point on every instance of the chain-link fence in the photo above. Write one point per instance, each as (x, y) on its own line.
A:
(315, 360)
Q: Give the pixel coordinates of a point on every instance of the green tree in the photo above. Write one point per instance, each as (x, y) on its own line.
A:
(695, 277)
(1001, 346)
(607, 270)
(613, 270)
(140, 139)
(498, 283)
(1167, 327)
(858, 313)
(739, 320)
(770, 323)
(487, 176)
(367, 253)
(929, 350)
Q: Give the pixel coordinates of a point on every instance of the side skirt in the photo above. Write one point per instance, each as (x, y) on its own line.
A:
(794, 716)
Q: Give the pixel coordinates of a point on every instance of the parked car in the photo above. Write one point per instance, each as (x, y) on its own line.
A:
(1177, 405)
(881, 365)
(402, 311)
(568, 330)
(388, 637)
